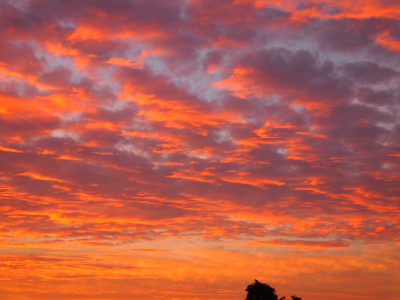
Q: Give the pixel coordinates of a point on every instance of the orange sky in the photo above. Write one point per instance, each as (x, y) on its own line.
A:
(180, 149)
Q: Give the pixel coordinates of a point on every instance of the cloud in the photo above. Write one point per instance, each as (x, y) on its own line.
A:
(183, 147)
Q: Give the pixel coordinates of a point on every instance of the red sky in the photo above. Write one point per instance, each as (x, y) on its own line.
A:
(180, 149)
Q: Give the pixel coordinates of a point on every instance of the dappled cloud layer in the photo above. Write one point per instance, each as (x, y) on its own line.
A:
(180, 149)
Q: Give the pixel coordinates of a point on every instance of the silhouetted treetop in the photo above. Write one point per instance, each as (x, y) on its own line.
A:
(262, 291)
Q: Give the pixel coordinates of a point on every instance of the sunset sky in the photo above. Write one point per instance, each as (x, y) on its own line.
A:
(180, 149)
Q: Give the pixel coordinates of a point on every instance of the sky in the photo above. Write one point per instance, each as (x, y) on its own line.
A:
(180, 149)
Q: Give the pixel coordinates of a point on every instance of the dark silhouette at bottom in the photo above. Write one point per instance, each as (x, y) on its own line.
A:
(262, 291)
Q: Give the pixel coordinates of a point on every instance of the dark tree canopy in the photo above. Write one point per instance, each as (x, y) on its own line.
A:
(262, 291)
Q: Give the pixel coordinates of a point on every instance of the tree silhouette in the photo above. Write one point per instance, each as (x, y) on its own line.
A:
(262, 291)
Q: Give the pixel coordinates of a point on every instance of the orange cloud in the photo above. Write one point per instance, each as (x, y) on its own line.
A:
(180, 149)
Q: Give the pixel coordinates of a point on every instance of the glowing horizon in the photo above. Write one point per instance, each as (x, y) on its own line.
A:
(180, 149)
